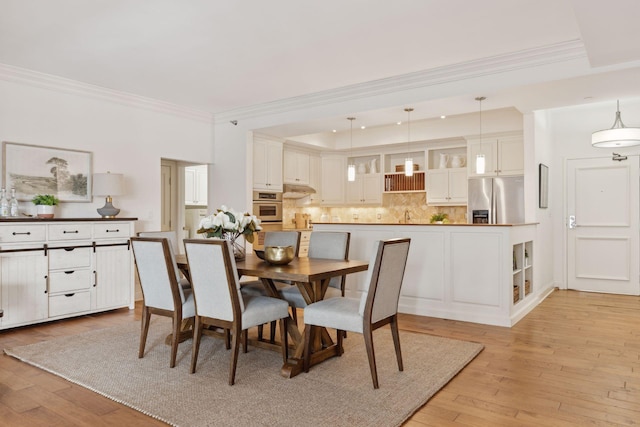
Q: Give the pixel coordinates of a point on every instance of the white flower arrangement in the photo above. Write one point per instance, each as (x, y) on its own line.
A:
(227, 223)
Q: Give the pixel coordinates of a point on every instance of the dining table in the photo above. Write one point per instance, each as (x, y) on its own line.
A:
(312, 277)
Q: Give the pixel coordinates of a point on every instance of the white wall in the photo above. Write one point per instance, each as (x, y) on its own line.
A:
(126, 134)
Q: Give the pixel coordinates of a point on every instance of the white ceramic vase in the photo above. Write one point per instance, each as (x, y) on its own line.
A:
(45, 211)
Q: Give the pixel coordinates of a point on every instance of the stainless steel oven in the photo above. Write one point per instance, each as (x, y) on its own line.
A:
(267, 206)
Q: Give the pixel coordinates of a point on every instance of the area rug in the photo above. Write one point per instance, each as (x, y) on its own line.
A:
(337, 392)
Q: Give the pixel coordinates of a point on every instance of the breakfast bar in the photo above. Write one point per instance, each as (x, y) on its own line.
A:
(480, 273)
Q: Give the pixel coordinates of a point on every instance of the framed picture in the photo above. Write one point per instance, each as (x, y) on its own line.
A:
(543, 177)
(33, 169)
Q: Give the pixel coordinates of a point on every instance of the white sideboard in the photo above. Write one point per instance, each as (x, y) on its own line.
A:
(52, 269)
(475, 273)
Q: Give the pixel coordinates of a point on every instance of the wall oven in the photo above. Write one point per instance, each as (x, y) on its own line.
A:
(267, 206)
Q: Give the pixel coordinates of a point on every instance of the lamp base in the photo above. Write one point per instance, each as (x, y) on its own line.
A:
(108, 211)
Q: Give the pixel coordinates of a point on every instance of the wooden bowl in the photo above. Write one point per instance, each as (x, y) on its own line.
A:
(278, 255)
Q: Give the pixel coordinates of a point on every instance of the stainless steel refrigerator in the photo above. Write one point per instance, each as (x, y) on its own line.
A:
(497, 200)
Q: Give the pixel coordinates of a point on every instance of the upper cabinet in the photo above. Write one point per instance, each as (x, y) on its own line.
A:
(267, 164)
(395, 181)
(503, 156)
(195, 185)
(296, 167)
(447, 176)
(315, 178)
(367, 187)
(333, 180)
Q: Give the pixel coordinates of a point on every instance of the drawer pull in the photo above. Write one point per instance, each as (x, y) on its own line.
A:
(28, 233)
(69, 272)
(69, 249)
(70, 232)
(114, 231)
(69, 295)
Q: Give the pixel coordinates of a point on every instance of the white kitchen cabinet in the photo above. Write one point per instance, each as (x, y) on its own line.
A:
(63, 268)
(334, 178)
(267, 164)
(315, 178)
(195, 185)
(366, 189)
(503, 156)
(447, 187)
(296, 167)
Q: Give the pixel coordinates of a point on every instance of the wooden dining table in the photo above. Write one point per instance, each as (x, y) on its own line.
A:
(311, 276)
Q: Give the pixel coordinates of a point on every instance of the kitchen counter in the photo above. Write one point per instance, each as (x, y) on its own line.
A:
(421, 224)
(482, 273)
(36, 219)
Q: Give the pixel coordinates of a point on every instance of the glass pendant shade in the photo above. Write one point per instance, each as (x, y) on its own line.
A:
(617, 136)
(480, 164)
(408, 167)
(351, 172)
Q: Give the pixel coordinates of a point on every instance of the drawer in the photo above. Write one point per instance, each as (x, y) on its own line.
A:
(69, 259)
(70, 303)
(109, 230)
(70, 280)
(303, 252)
(305, 236)
(69, 231)
(22, 233)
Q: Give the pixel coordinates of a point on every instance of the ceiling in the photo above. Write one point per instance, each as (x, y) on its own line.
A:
(227, 56)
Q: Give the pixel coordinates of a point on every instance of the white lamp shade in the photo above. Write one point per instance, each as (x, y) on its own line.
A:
(408, 167)
(107, 184)
(616, 137)
(351, 173)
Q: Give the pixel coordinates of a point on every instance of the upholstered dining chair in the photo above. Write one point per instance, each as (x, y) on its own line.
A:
(219, 302)
(328, 245)
(162, 294)
(173, 240)
(377, 307)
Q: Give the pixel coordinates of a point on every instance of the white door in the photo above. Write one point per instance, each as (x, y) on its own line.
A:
(602, 238)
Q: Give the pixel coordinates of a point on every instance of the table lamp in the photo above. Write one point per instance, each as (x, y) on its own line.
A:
(107, 184)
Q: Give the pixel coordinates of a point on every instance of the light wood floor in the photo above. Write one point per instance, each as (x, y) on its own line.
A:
(575, 360)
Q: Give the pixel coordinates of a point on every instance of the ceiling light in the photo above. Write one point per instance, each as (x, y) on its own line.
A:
(334, 131)
(398, 123)
(617, 136)
(408, 162)
(480, 160)
(351, 168)
(443, 117)
(363, 127)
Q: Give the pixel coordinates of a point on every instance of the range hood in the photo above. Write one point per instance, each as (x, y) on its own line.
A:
(296, 191)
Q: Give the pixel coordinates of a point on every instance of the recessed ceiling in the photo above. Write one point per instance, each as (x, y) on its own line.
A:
(219, 56)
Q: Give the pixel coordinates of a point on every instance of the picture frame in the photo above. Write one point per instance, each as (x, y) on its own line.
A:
(36, 169)
(543, 185)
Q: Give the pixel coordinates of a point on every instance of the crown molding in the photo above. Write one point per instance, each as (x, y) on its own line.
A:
(528, 58)
(60, 84)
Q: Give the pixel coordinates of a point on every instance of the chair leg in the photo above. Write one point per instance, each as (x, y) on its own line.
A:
(175, 339)
(197, 336)
(396, 341)
(235, 346)
(307, 347)
(284, 341)
(294, 315)
(260, 332)
(227, 339)
(340, 337)
(272, 332)
(245, 340)
(144, 330)
(368, 341)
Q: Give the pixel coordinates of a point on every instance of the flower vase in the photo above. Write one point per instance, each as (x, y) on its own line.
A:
(237, 243)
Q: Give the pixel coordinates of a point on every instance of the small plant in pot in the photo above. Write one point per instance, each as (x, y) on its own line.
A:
(439, 218)
(45, 204)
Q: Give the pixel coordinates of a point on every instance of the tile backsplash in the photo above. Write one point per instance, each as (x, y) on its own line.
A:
(392, 211)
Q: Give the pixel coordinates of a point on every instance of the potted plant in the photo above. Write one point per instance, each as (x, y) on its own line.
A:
(439, 218)
(45, 204)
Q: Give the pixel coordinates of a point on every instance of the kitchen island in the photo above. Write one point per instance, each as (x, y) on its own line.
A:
(480, 273)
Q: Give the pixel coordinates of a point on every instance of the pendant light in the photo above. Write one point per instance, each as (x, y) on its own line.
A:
(480, 160)
(408, 162)
(617, 136)
(351, 169)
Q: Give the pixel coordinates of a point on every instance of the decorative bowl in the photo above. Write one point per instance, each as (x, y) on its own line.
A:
(278, 255)
(259, 253)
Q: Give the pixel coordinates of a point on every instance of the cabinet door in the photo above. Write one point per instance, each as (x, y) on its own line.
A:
(511, 157)
(489, 148)
(113, 280)
(334, 176)
(296, 167)
(372, 188)
(274, 166)
(260, 174)
(438, 187)
(201, 184)
(189, 185)
(315, 176)
(458, 186)
(354, 191)
(23, 287)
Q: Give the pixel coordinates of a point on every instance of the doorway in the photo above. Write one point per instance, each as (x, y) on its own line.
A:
(603, 233)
